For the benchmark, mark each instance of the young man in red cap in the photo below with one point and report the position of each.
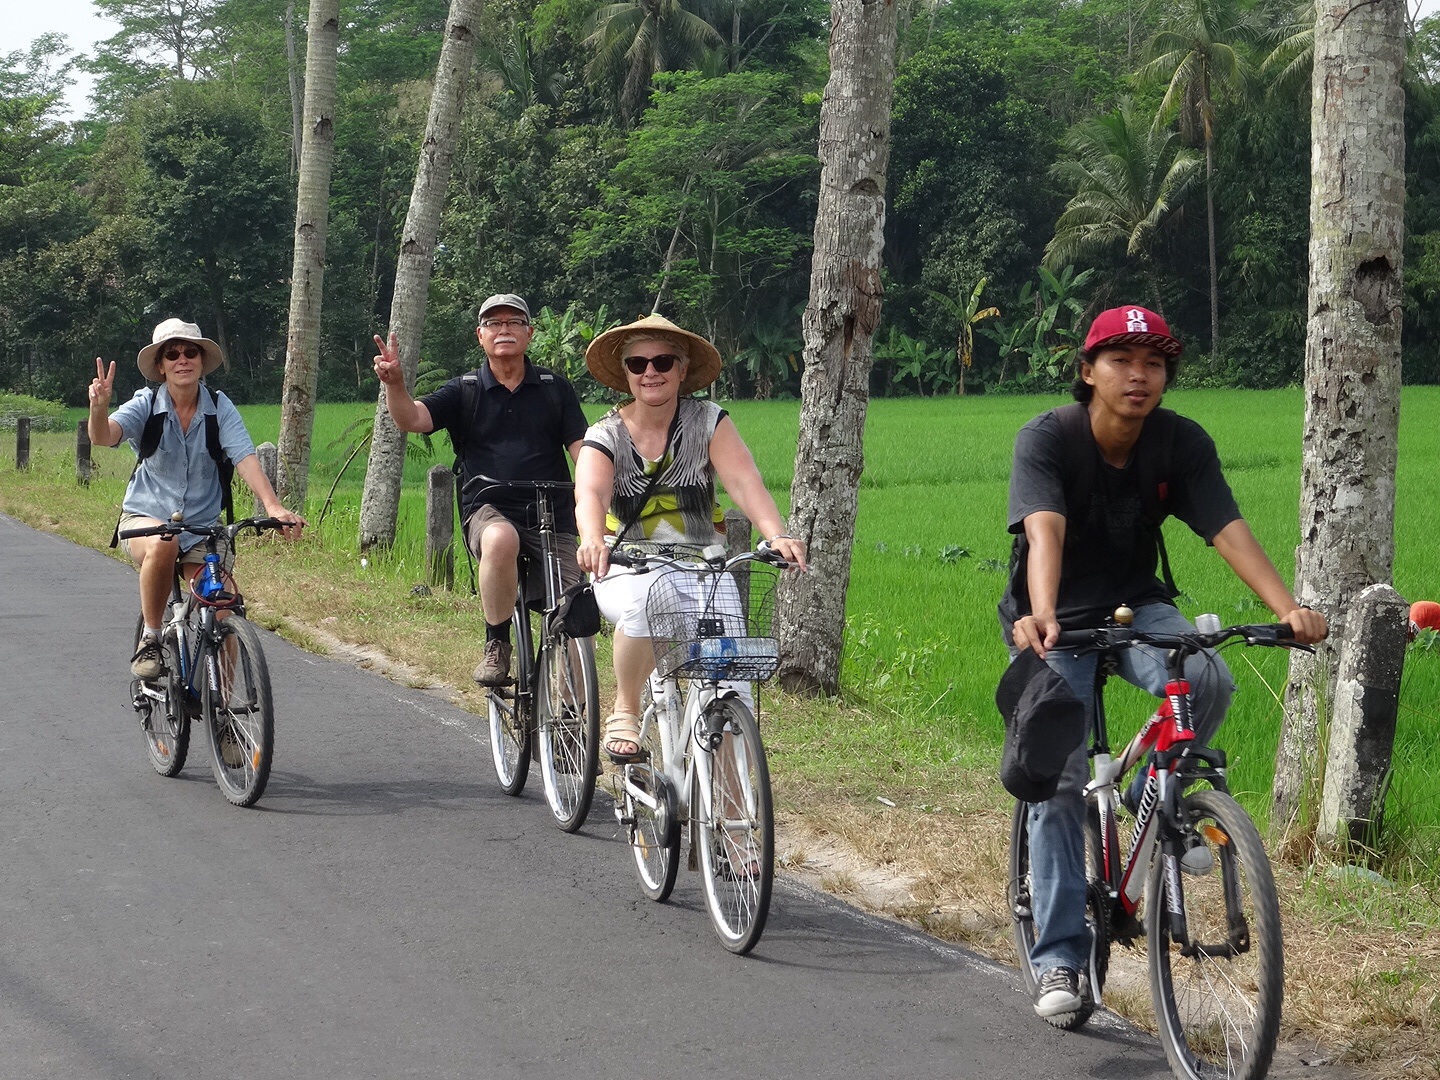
(1091, 483)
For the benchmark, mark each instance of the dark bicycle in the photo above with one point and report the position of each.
(553, 707)
(1210, 915)
(214, 672)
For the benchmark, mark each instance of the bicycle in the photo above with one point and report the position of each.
(552, 706)
(1214, 944)
(702, 762)
(214, 672)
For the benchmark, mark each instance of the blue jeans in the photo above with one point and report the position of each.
(1057, 826)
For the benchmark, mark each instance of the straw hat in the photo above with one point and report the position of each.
(177, 330)
(603, 357)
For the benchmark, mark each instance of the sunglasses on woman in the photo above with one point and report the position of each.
(636, 365)
(190, 352)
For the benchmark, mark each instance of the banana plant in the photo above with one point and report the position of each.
(967, 315)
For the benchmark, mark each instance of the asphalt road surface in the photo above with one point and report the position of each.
(385, 911)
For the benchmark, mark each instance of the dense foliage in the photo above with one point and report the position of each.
(1049, 157)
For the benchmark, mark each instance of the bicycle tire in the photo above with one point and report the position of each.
(1022, 912)
(567, 710)
(167, 736)
(735, 827)
(510, 746)
(1217, 1003)
(654, 833)
(239, 711)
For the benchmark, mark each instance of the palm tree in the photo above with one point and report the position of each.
(1198, 52)
(635, 39)
(1127, 176)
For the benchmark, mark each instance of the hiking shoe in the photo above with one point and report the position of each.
(148, 663)
(230, 751)
(1197, 859)
(1058, 993)
(494, 666)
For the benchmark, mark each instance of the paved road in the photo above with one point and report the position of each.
(386, 912)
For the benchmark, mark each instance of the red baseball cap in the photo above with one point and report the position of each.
(1132, 326)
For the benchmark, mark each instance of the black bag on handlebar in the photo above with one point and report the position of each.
(577, 611)
(1044, 723)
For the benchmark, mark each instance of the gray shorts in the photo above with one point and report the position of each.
(566, 545)
(194, 557)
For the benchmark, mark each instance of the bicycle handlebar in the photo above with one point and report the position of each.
(488, 483)
(175, 528)
(1109, 638)
(641, 561)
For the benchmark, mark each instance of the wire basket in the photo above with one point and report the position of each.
(714, 624)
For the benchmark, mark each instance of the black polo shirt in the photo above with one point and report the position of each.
(512, 435)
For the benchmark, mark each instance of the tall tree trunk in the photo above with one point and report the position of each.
(307, 272)
(292, 71)
(1214, 275)
(840, 321)
(1352, 352)
(380, 504)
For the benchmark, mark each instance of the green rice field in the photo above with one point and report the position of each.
(923, 645)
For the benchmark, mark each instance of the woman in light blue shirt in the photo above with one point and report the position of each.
(180, 476)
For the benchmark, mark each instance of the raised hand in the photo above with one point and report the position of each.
(387, 363)
(102, 386)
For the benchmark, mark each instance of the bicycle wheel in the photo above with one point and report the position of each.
(238, 711)
(735, 826)
(568, 722)
(166, 721)
(1022, 913)
(1218, 993)
(509, 708)
(654, 831)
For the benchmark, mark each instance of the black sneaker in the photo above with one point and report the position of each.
(148, 663)
(1057, 996)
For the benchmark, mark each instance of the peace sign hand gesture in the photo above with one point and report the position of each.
(387, 364)
(102, 386)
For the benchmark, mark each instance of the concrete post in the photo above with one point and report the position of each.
(1371, 655)
(270, 465)
(82, 453)
(440, 525)
(22, 443)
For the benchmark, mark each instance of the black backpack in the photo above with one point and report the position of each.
(1154, 467)
(150, 442)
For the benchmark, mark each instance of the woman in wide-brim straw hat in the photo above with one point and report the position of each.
(179, 475)
(646, 472)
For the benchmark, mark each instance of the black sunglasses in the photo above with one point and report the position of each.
(636, 365)
(190, 352)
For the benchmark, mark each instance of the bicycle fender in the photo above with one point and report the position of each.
(708, 695)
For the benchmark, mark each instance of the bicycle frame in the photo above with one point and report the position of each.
(526, 689)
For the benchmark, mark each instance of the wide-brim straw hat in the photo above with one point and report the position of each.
(177, 330)
(604, 356)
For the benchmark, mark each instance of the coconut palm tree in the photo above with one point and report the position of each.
(1199, 53)
(1128, 176)
(634, 39)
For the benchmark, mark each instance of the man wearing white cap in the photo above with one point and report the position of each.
(179, 475)
(517, 423)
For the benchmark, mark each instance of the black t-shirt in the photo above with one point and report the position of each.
(1110, 556)
(519, 435)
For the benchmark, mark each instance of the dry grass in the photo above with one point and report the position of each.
(1363, 955)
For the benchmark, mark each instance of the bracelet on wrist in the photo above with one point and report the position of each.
(781, 536)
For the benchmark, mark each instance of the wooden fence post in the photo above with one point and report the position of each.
(270, 466)
(1371, 655)
(22, 443)
(82, 452)
(440, 525)
(737, 542)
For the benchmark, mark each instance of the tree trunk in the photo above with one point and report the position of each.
(307, 272)
(1352, 353)
(292, 71)
(840, 320)
(380, 504)
(1214, 275)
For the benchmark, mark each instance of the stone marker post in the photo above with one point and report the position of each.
(440, 525)
(82, 452)
(270, 465)
(22, 443)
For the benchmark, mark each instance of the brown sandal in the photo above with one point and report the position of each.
(623, 729)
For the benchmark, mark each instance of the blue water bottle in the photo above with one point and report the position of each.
(209, 583)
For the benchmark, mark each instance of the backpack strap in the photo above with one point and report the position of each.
(223, 464)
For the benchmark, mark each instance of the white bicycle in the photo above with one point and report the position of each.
(702, 766)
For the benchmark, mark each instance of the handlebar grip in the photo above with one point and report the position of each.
(620, 558)
(1075, 639)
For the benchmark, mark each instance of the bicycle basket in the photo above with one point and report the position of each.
(711, 624)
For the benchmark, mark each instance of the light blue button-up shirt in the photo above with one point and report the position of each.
(180, 475)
